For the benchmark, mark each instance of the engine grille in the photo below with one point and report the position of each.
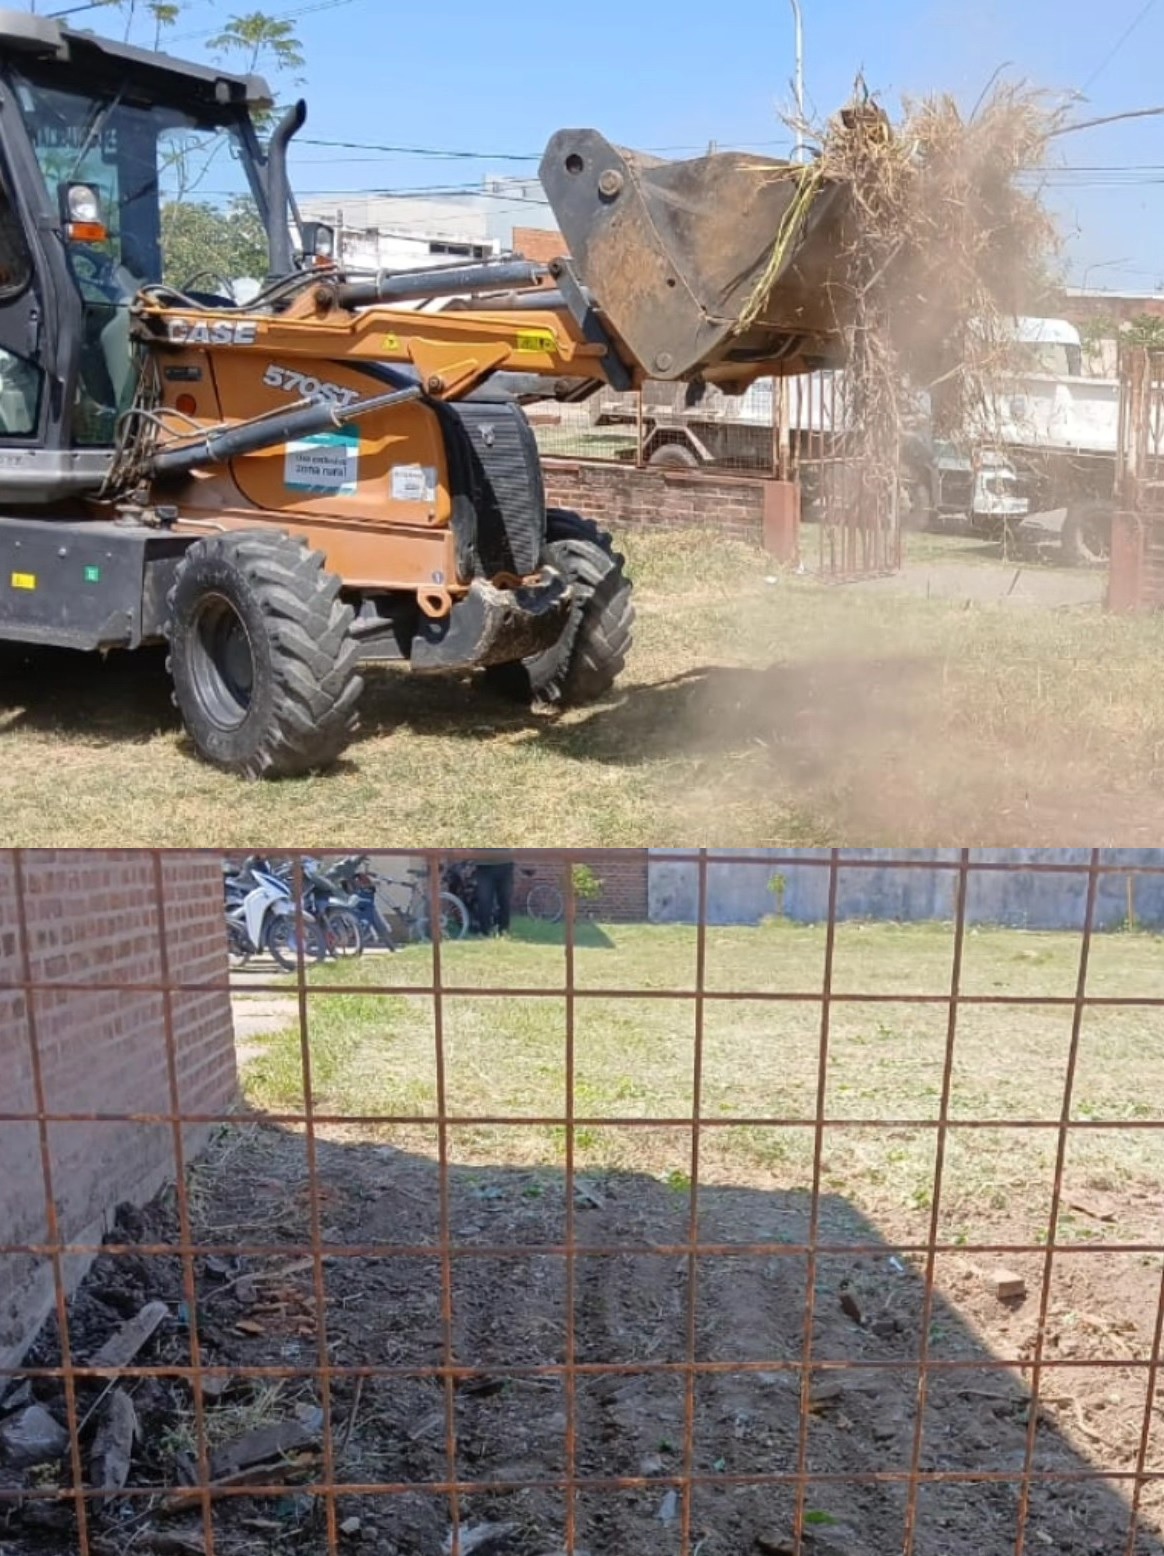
(505, 478)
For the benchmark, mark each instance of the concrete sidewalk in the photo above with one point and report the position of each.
(257, 1016)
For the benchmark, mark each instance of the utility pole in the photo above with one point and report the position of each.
(799, 21)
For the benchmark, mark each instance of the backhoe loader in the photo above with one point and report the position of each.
(330, 475)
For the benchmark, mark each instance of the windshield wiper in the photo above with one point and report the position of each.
(100, 120)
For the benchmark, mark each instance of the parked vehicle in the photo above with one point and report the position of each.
(363, 885)
(416, 910)
(693, 428)
(1061, 429)
(262, 915)
(334, 908)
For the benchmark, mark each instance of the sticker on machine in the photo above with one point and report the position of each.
(413, 483)
(327, 465)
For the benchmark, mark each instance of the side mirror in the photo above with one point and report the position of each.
(318, 244)
(81, 214)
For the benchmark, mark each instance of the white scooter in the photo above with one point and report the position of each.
(261, 916)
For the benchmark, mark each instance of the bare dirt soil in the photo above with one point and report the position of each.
(630, 1309)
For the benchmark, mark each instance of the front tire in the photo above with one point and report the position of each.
(263, 665)
(590, 654)
(1086, 537)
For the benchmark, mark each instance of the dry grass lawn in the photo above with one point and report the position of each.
(375, 1054)
(755, 711)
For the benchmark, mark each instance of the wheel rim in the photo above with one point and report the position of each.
(283, 942)
(545, 904)
(1092, 541)
(222, 663)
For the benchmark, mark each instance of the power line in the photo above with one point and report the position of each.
(279, 16)
(497, 156)
(1117, 46)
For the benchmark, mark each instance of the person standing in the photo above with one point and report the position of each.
(495, 872)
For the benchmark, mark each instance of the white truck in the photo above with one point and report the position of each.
(1059, 428)
(688, 428)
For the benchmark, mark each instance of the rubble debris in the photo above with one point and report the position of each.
(246, 1290)
(479, 1538)
(1097, 1206)
(1007, 1285)
(824, 1396)
(32, 1437)
(215, 1386)
(482, 1388)
(271, 1450)
(123, 1345)
(14, 1396)
(174, 1542)
(850, 1308)
(113, 1444)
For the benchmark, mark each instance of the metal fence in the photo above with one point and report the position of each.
(567, 1343)
(1138, 538)
(773, 428)
(796, 429)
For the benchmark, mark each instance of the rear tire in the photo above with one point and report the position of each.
(238, 947)
(673, 456)
(454, 920)
(282, 941)
(1086, 537)
(589, 656)
(544, 904)
(264, 669)
(344, 932)
(916, 513)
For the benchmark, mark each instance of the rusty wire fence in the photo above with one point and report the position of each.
(797, 430)
(1137, 569)
(816, 1234)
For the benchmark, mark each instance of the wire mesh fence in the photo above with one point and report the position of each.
(798, 429)
(816, 1233)
(694, 427)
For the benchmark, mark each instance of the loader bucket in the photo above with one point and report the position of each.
(674, 253)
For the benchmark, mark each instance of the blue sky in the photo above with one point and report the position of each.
(495, 79)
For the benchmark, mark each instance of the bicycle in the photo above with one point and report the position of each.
(416, 912)
(544, 903)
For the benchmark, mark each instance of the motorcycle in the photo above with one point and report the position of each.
(261, 915)
(354, 877)
(334, 909)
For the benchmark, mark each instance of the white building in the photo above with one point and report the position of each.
(405, 232)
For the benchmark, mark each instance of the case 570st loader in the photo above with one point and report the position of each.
(322, 477)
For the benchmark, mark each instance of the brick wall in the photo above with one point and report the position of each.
(92, 916)
(623, 898)
(616, 494)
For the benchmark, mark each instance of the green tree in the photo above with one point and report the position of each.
(262, 40)
(202, 243)
(1145, 329)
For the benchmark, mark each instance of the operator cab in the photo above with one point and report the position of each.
(118, 169)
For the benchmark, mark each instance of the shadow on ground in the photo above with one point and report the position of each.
(386, 1289)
